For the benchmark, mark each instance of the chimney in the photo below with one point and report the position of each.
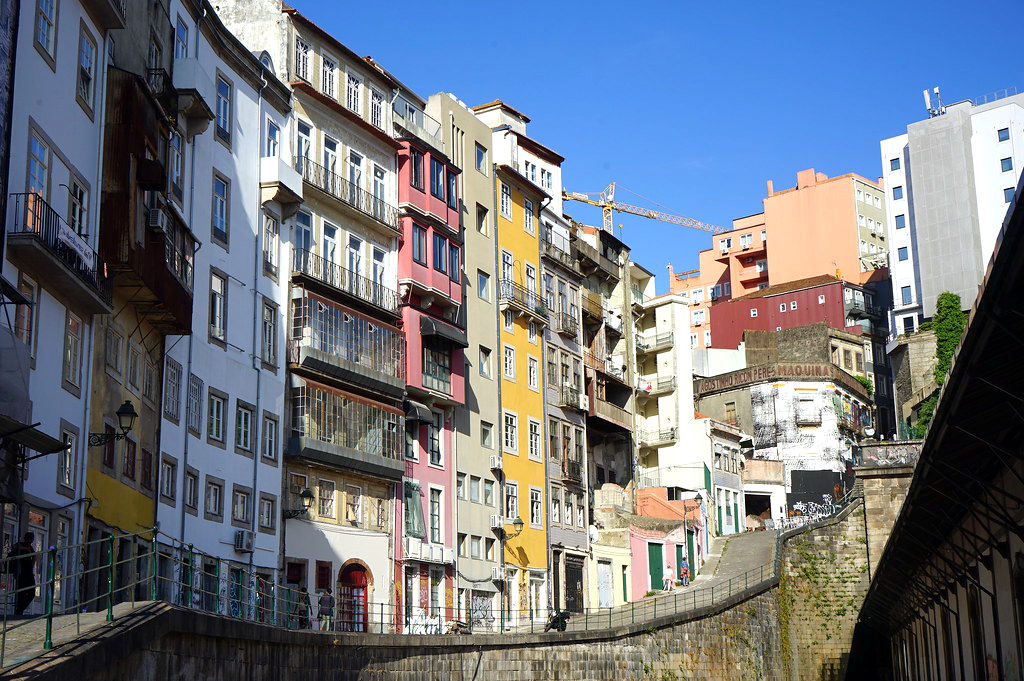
(806, 178)
(771, 188)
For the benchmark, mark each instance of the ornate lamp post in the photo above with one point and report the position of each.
(517, 526)
(126, 416)
(306, 496)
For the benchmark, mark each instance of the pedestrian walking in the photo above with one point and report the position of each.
(669, 579)
(305, 609)
(684, 572)
(326, 605)
(23, 567)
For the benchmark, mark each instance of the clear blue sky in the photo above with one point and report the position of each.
(693, 104)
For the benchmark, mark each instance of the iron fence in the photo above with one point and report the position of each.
(329, 182)
(333, 274)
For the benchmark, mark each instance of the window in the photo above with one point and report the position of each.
(219, 215)
(168, 479)
(460, 485)
(243, 428)
(511, 441)
(481, 219)
(86, 69)
(38, 166)
(902, 251)
(218, 307)
(528, 217)
(46, 26)
(792, 305)
(412, 435)
(906, 296)
(897, 192)
(181, 39)
(271, 244)
(194, 406)
(894, 164)
(268, 345)
(901, 221)
(707, 339)
(782, 307)
(481, 159)
(908, 325)
(146, 474)
(172, 390)
(416, 168)
(419, 244)
(1008, 195)
(509, 320)
(215, 417)
(437, 178)
(485, 362)
(66, 459)
(725, 244)
(113, 350)
(191, 489)
(536, 508)
(746, 240)
(435, 430)
(474, 547)
(440, 253)
(474, 489)
(223, 110)
(533, 373)
(268, 513)
(556, 512)
(506, 201)
(176, 165)
(376, 108)
(214, 499)
(698, 316)
(23, 316)
(534, 440)
(454, 264)
(730, 412)
(273, 140)
(128, 462)
(73, 350)
(352, 93)
(327, 78)
(1006, 164)
(301, 59)
(694, 340)
(753, 312)
(511, 501)
(488, 492)
(486, 435)
(325, 498)
(134, 369)
(240, 506)
(435, 516)
(509, 364)
(453, 190)
(483, 285)
(269, 446)
(531, 332)
(1003, 134)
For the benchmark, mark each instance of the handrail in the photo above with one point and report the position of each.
(510, 291)
(343, 279)
(331, 183)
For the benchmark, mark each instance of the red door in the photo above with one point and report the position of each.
(352, 598)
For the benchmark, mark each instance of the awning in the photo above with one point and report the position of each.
(29, 435)
(435, 327)
(416, 411)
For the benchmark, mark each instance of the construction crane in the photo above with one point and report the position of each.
(608, 205)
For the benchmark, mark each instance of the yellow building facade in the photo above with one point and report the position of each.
(519, 361)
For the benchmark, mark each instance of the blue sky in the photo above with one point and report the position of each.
(693, 104)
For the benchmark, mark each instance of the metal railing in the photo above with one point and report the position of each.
(572, 470)
(592, 305)
(557, 252)
(331, 183)
(87, 580)
(569, 396)
(333, 274)
(30, 214)
(650, 438)
(517, 294)
(417, 122)
(566, 324)
(655, 341)
(658, 384)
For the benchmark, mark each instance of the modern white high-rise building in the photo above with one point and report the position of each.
(950, 179)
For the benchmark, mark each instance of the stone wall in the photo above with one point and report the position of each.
(885, 488)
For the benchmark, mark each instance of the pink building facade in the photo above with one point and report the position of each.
(430, 278)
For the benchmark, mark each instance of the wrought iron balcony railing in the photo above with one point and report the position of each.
(566, 324)
(521, 297)
(335, 185)
(332, 274)
(572, 470)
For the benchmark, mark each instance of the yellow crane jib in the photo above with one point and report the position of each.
(606, 202)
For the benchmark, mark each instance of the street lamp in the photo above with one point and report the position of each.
(517, 525)
(306, 496)
(126, 416)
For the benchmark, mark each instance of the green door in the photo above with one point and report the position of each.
(679, 559)
(655, 565)
(689, 551)
(736, 515)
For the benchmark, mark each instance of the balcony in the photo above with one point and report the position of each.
(611, 412)
(420, 124)
(162, 88)
(557, 252)
(194, 90)
(592, 306)
(41, 242)
(357, 288)
(638, 298)
(613, 320)
(572, 470)
(331, 428)
(349, 194)
(281, 183)
(659, 385)
(858, 309)
(566, 324)
(572, 398)
(328, 340)
(654, 342)
(656, 438)
(108, 14)
(519, 298)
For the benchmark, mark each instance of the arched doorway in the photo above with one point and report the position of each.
(352, 597)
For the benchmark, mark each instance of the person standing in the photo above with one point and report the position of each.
(305, 609)
(23, 566)
(684, 572)
(326, 605)
(669, 579)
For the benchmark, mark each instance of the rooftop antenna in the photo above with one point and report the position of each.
(936, 110)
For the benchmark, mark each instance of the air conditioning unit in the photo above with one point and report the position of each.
(584, 403)
(495, 462)
(448, 555)
(156, 219)
(412, 548)
(436, 553)
(497, 522)
(244, 540)
(498, 574)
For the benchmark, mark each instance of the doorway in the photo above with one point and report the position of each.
(655, 565)
(573, 584)
(604, 584)
(352, 605)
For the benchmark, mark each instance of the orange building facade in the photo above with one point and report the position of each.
(827, 226)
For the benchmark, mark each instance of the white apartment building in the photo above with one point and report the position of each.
(51, 258)
(224, 385)
(950, 181)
